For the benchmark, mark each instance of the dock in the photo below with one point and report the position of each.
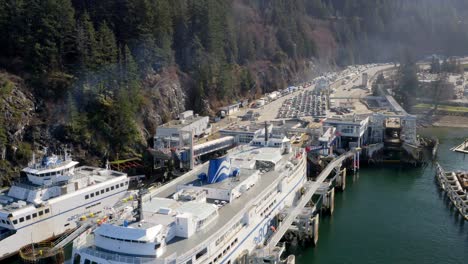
(303, 217)
(462, 148)
(455, 185)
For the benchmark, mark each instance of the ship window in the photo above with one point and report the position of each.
(47, 210)
(102, 191)
(188, 262)
(121, 185)
(201, 253)
(15, 222)
(107, 189)
(21, 219)
(28, 217)
(41, 213)
(92, 195)
(97, 193)
(229, 262)
(87, 261)
(34, 215)
(112, 188)
(77, 259)
(126, 183)
(86, 197)
(117, 186)
(3, 221)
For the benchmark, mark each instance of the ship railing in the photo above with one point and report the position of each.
(60, 163)
(127, 259)
(26, 184)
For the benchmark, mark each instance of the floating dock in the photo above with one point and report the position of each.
(455, 184)
(462, 148)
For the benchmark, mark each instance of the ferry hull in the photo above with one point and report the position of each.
(51, 227)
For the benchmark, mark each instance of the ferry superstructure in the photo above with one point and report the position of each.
(213, 214)
(51, 199)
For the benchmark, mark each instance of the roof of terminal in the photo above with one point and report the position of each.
(182, 123)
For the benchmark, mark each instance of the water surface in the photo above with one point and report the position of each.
(395, 215)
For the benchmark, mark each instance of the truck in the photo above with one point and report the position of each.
(222, 114)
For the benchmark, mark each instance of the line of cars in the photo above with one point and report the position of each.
(307, 103)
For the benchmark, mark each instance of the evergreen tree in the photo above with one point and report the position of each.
(86, 43)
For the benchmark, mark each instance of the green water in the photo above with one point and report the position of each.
(395, 215)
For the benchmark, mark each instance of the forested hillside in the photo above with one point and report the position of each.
(103, 74)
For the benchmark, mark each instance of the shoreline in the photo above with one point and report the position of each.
(442, 121)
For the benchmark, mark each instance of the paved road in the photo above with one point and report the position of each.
(269, 111)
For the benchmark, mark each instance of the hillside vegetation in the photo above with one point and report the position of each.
(103, 74)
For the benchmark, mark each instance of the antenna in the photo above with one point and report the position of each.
(33, 162)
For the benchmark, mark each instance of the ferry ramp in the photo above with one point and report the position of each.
(69, 238)
(311, 188)
(213, 145)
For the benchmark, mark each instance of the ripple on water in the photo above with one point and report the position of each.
(395, 215)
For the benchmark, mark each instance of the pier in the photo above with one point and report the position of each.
(303, 217)
(462, 148)
(455, 185)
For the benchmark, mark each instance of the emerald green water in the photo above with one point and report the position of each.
(395, 215)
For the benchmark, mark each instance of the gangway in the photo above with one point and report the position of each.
(69, 238)
(213, 145)
(311, 189)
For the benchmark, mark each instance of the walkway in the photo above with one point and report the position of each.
(312, 187)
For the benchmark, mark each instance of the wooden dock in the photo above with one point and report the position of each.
(462, 148)
(455, 184)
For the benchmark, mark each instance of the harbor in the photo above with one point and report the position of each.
(252, 191)
(392, 214)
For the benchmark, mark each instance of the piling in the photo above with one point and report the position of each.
(341, 180)
(456, 187)
(329, 201)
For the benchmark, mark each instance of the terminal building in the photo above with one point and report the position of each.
(172, 133)
(351, 130)
(245, 134)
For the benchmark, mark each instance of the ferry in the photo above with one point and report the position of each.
(219, 212)
(51, 197)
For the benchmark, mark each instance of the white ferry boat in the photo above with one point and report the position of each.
(216, 213)
(51, 198)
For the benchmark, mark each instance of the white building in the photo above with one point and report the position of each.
(231, 109)
(352, 130)
(245, 134)
(172, 133)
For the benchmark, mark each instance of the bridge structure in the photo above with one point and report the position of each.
(213, 145)
(311, 188)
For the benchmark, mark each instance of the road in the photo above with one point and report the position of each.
(347, 90)
(269, 111)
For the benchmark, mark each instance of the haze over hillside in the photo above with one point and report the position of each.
(101, 75)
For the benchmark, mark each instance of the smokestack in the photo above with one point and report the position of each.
(266, 132)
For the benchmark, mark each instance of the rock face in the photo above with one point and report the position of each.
(164, 100)
(16, 106)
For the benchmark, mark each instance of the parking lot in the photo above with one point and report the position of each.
(306, 103)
